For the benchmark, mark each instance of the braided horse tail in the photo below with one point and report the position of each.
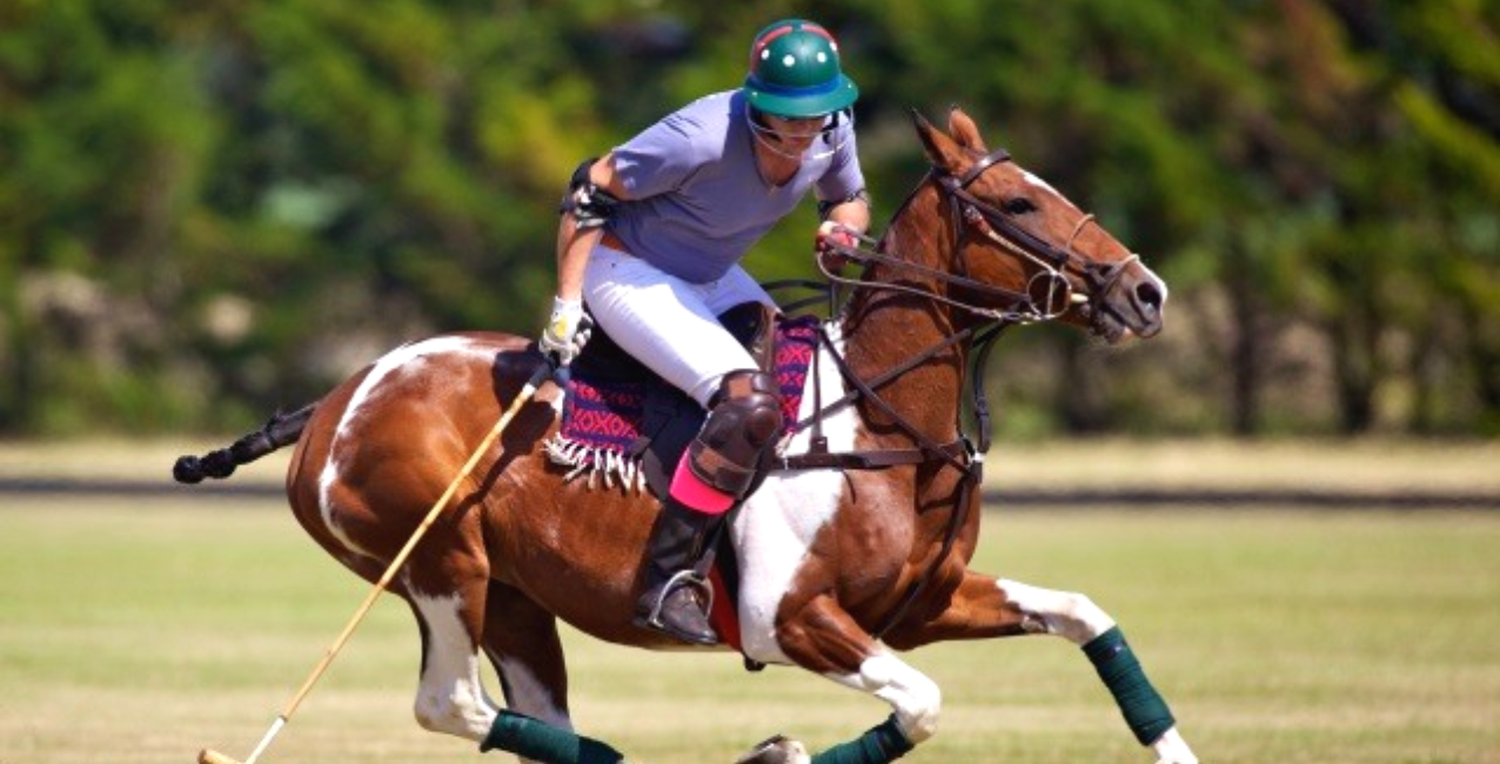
(281, 430)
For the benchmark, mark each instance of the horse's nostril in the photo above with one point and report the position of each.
(1148, 295)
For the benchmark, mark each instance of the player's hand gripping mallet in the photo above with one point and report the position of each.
(210, 756)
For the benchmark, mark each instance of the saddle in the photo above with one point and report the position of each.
(623, 423)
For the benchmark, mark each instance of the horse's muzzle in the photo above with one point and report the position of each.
(1133, 305)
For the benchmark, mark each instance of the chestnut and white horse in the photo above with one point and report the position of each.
(846, 554)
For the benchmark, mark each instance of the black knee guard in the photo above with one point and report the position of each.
(744, 421)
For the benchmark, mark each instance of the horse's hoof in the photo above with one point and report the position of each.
(776, 750)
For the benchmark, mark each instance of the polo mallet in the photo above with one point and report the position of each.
(210, 756)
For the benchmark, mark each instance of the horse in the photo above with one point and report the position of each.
(854, 547)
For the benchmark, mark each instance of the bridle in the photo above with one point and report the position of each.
(969, 213)
(1048, 293)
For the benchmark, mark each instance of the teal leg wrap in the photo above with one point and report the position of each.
(531, 739)
(880, 744)
(1144, 710)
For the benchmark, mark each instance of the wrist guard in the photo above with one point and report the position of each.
(826, 206)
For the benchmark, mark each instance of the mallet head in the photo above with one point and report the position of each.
(209, 756)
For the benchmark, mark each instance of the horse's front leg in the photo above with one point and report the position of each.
(985, 607)
(819, 636)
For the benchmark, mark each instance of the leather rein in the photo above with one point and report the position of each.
(1048, 294)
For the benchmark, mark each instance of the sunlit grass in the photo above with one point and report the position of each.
(141, 631)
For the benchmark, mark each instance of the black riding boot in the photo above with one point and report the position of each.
(677, 596)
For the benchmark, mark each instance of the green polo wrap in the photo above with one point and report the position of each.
(531, 739)
(1143, 707)
(880, 744)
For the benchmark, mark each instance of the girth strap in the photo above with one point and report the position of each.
(871, 460)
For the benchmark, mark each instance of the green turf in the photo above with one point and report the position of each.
(140, 631)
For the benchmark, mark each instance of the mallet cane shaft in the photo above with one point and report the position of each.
(209, 756)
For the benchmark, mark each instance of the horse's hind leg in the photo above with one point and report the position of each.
(985, 607)
(446, 582)
(521, 641)
(450, 695)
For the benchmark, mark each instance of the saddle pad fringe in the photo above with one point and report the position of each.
(600, 464)
(602, 417)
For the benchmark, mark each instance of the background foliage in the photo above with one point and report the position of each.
(209, 210)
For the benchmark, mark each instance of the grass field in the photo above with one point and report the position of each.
(142, 630)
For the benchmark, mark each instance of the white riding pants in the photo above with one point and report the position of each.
(667, 323)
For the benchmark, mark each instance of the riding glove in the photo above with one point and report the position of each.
(567, 331)
(831, 238)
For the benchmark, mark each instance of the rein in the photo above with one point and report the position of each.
(968, 214)
(1048, 294)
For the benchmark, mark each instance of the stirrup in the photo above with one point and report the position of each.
(688, 577)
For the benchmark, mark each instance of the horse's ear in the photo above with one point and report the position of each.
(963, 130)
(941, 150)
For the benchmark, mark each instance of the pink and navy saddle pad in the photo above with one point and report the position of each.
(623, 424)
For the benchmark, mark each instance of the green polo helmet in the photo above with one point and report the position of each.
(794, 72)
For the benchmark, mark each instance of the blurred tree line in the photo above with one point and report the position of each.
(210, 210)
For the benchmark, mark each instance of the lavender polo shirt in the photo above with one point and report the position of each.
(696, 200)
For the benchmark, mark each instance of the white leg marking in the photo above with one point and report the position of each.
(450, 697)
(1170, 748)
(775, 529)
(407, 359)
(1072, 616)
(528, 695)
(915, 698)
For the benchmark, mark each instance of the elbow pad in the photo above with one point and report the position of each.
(590, 205)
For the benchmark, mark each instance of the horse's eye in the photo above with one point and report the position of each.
(1019, 206)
